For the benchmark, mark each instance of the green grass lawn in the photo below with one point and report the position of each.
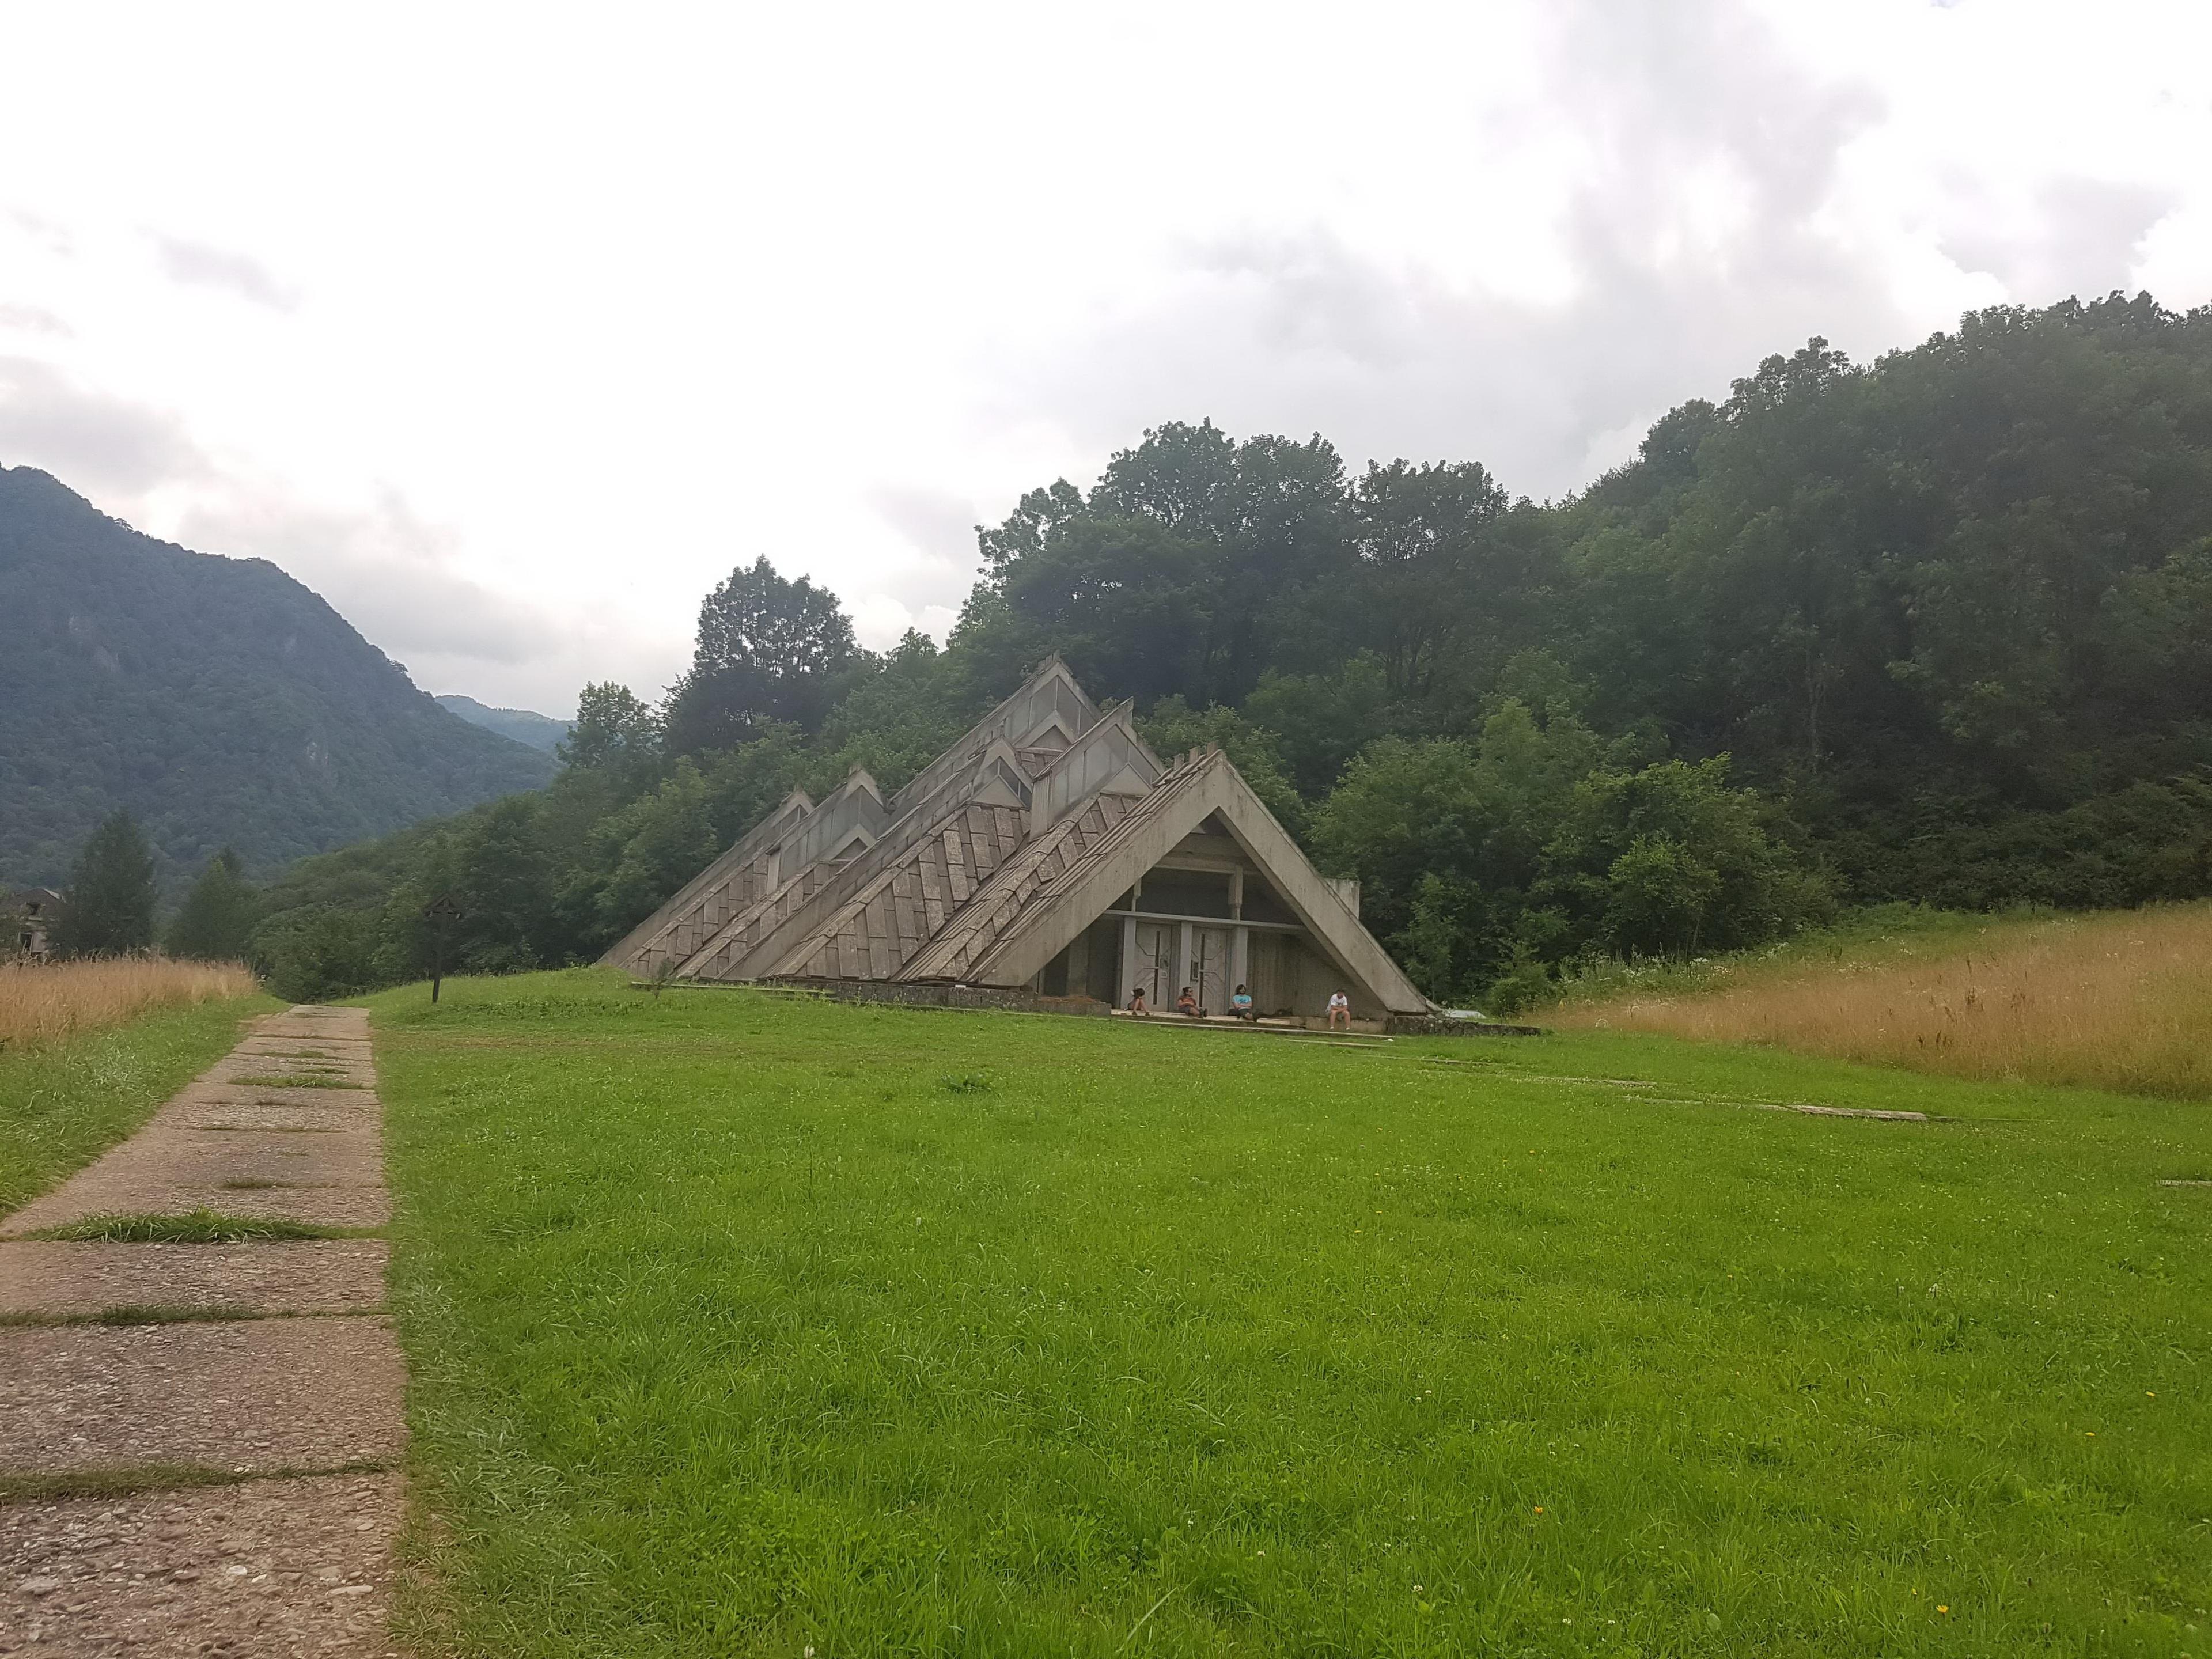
(63, 1105)
(744, 1325)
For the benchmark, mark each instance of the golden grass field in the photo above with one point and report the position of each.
(2117, 1000)
(47, 1003)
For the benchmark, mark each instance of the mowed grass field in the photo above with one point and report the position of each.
(749, 1325)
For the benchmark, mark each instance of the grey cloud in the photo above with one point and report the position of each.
(198, 263)
(384, 570)
(91, 440)
(1299, 333)
(942, 529)
(2079, 238)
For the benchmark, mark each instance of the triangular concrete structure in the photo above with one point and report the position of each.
(1050, 850)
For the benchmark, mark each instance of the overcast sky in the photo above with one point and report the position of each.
(512, 330)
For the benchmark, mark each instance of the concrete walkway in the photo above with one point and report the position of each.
(199, 1443)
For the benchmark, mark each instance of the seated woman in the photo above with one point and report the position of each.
(1240, 1005)
(1187, 1006)
(1136, 1003)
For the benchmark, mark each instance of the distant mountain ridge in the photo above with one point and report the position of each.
(538, 731)
(218, 699)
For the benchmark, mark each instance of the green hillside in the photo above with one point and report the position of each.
(523, 725)
(218, 699)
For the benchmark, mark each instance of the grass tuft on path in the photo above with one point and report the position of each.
(64, 1103)
(734, 1331)
(193, 1227)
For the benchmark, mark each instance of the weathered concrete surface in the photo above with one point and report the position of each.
(264, 1568)
(238, 1395)
(279, 1276)
(297, 1565)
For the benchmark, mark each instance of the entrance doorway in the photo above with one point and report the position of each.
(1154, 967)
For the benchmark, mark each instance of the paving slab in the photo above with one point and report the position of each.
(335, 1108)
(298, 1567)
(316, 1023)
(284, 1276)
(168, 1168)
(173, 1156)
(229, 1117)
(246, 1396)
(364, 1207)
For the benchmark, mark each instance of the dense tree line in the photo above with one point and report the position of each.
(1936, 627)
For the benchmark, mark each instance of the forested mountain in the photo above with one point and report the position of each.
(216, 699)
(533, 730)
(1935, 628)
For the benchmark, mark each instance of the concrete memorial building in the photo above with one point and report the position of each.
(1049, 851)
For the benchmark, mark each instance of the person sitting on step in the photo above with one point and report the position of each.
(1240, 1005)
(1187, 1006)
(1136, 1003)
(1340, 1008)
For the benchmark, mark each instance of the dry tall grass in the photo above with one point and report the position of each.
(44, 1004)
(2120, 1001)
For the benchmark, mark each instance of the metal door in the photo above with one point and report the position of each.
(1154, 968)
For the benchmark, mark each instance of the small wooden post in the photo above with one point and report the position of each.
(440, 912)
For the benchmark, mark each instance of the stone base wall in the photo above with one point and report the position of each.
(902, 995)
(1435, 1025)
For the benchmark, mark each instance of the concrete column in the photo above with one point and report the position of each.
(1126, 974)
(1235, 894)
(1182, 961)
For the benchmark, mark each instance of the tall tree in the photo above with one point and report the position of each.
(1196, 564)
(617, 736)
(1421, 534)
(109, 907)
(768, 650)
(217, 918)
